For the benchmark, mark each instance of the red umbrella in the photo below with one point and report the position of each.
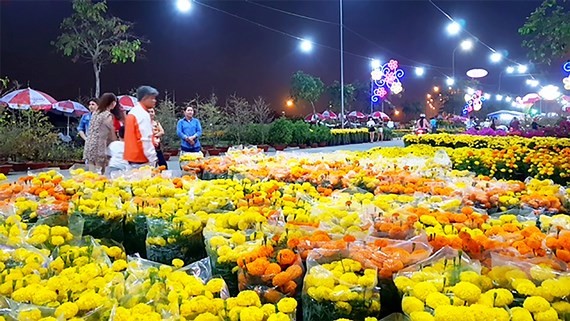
(69, 107)
(380, 115)
(329, 114)
(356, 114)
(28, 98)
(127, 102)
(313, 118)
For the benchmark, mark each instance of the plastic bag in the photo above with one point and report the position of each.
(179, 238)
(336, 286)
(273, 281)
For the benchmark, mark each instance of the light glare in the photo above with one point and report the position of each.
(521, 69)
(375, 64)
(453, 28)
(499, 97)
(420, 71)
(450, 81)
(466, 45)
(549, 92)
(510, 69)
(183, 5)
(306, 45)
(496, 57)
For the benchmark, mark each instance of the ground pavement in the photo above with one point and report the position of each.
(173, 163)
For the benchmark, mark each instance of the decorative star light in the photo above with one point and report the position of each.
(387, 80)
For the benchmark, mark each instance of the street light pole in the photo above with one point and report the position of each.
(453, 62)
(341, 69)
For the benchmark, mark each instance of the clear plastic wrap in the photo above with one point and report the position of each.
(180, 237)
(336, 286)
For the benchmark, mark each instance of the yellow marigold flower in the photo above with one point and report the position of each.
(215, 285)
(423, 289)
(520, 314)
(404, 284)
(541, 273)
(279, 317)
(207, 317)
(67, 310)
(470, 276)
(421, 316)
(343, 307)
(252, 313)
(453, 313)
(548, 315)
(248, 298)
(120, 265)
(467, 291)
(30, 315)
(287, 305)
(561, 307)
(556, 288)
(411, 304)
(536, 304)
(524, 287)
(57, 240)
(177, 263)
(436, 299)
(501, 297)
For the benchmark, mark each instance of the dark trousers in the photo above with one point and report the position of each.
(161, 160)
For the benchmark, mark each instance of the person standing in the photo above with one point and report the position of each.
(158, 132)
(189, 131)
(433, 124)
(371, 124)
(139, 146)
(86, 118)
(101, 133)
(116, 152)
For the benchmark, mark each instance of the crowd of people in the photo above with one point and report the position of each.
(118, 141)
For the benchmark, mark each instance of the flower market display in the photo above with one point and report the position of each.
(432, 232)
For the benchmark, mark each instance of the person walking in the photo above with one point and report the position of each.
(371, 124)
(101, 133)
(86, 119)
(189, 131)
(139, 146)
(158, 132)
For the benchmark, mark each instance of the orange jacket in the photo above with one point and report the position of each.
(139, 146)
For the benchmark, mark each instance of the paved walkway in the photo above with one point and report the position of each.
(173, 163)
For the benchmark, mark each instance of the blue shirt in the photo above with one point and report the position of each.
(433, 122)
(84, 123)
(186, 128)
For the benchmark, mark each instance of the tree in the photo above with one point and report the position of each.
(412, 109)
(167, 115)
(306, 87)
(334, 93)
(211, 117)
(260, 111)
(238, 114)
(546, 31)
(93, 36)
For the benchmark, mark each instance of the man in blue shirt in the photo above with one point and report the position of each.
(189, 130)
(86, 119)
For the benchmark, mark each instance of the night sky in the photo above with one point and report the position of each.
(207, 51)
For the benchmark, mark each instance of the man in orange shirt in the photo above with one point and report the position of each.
(139, 146)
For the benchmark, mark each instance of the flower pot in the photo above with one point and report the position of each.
(293, 145)
(302, 146)
(5, 169)
(223, 149)
(280, 147)
(173, 152)
(314, 145)
(65, 166)
(35, 166)
(213, 151)
(322, 144)
(19, 167)
(264, 147)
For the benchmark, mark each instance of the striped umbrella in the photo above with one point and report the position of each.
(28, 98)
(329, 114)
(356, 114)
(380, 115)
(127, 102)
(313, 118)
(68, 107)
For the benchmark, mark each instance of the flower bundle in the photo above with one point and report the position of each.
(272, 274)
(336, 286)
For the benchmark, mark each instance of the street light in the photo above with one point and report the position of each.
(375, 64)
(532, 82)
(183, 5)
(450, 81)
(465, 45)
(306, 45)
(420, 71)
(435, 89)
(499, 97)
(496, 57)
(396, 112)
(550, 92)
(521, 69)
(510, 69)
(453, 28)
(289, 103)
